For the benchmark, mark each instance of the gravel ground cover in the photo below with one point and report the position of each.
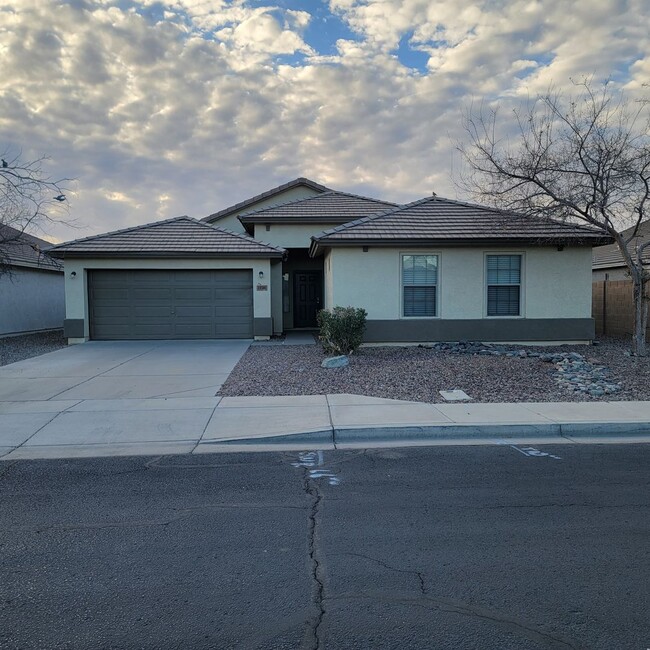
(17, 348)
(418, 373)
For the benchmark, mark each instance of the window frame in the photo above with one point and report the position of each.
(402, 254)
(522, 276)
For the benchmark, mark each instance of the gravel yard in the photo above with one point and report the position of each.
(417, 374)
(17, 348)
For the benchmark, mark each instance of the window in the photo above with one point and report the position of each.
(420, 284)
(503, 285)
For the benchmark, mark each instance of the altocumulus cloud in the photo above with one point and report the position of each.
(186, 106)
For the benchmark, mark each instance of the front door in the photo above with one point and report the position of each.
(308, 294)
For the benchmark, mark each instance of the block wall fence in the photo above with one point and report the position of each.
(613, 308)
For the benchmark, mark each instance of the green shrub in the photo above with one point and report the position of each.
(341, 329)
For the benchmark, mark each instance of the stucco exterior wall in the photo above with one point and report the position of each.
(555, 284)
(76, 288)
(31, 300)
(290, 235)
(231, 222)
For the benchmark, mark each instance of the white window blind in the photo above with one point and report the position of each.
(420, 285)
(503, 285)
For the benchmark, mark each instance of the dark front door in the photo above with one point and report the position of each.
(308, 294)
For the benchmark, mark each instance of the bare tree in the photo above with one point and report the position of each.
(579, 158)
(29, 200)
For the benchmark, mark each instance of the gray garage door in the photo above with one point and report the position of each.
(171, 304)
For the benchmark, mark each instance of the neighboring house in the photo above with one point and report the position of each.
(613, 301)
(432, 270)
(31, 285)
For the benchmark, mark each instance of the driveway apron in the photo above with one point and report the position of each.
(115, 392)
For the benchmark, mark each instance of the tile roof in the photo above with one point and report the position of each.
(328, 207)
(435, 220)
(606, 257)
(238, 207)
(178, 237)
(18, 248)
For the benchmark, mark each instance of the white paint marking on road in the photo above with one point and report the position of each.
(310, 459)
(531, 452)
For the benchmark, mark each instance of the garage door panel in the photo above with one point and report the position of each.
(151, 294)
(233, 311)
(171, 304)
(194, 330)
(194, 311)
(153, 330)
(110, 311)
(193, 294)
(108, 330)
(152, 311)
(110, 293)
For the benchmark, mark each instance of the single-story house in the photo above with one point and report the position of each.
(431, 270)
(31, 284)
(612, 299)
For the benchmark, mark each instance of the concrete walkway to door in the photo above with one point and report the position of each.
(114, 393)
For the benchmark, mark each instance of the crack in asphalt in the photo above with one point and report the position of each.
(314, 640)
(456, 607)
(418, 574)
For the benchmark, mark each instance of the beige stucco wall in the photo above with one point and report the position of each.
(76, 288)
(556, 284)
(290, 235)
(231, 222)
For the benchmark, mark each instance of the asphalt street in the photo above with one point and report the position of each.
(505, 547)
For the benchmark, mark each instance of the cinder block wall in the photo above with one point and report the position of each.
(613, 308)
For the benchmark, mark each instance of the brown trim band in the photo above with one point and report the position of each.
(262, 326)
(73, 328)
(487, 329)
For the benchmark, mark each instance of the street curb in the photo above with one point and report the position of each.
(595, 429)
(446, 432)
(313, 437)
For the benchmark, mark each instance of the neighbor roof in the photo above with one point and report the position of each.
(239, 207)
(437, 221)
(607, 257)
(177, 237)
(329, 207)
(18, 248)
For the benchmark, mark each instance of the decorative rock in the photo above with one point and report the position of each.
(572, 371)
(336, 362)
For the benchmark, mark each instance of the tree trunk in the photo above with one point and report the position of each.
(640, 314)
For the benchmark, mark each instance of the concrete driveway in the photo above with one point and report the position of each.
(113, 393)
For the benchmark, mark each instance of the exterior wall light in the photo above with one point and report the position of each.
(261, 274)
(73, 274)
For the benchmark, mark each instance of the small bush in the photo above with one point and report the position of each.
(341, 329)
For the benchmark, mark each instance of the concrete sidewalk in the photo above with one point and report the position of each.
(60, 428)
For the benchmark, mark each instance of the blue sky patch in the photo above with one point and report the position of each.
(409, 56)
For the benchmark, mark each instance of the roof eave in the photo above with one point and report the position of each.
(470, 241)
(60, 254)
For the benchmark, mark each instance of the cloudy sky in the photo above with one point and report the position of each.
(187, 106)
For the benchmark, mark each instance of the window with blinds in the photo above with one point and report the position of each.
(503, 285)
(419, 285)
